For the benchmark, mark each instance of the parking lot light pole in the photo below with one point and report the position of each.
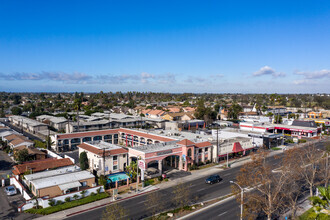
(242, 192)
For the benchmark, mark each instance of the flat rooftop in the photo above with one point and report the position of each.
(157, 147)
(51, 173)
(62, 179)
(103, 145)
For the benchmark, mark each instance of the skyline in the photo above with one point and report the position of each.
(185, 46)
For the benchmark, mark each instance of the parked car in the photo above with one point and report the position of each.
(10, 190)
(213, 179)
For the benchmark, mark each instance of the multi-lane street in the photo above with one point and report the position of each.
(199, 191)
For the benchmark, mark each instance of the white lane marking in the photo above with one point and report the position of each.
(142, 201)
(227, 174)
(222, 213)
(200, 190)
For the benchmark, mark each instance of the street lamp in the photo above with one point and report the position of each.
(242, 192)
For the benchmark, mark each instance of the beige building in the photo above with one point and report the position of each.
(104, 157)
(58, 182)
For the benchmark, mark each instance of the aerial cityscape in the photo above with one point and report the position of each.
(165, 110)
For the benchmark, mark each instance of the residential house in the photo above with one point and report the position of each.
(34, 153)
(41, 165)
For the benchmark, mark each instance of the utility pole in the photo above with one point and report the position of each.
(103, 161)
(217, 155)
(242, 194)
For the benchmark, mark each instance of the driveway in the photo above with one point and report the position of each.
(5, 164)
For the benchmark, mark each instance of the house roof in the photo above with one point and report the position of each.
(14, 136)
(18, 141)
(31, 151)
(156, 112)
(186, 142)
(98, 151)
(203, 144)
(40, 165)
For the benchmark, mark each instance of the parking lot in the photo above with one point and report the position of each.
(9, 204)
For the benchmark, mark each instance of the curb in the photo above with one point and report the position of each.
(119, 200)
(207, 207)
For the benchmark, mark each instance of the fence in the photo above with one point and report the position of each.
(20, 187)
(45, 202)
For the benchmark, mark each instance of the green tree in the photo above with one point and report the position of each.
(16, 110)
(22, 156)
(234, 110)
(83, 160)
(131, 169)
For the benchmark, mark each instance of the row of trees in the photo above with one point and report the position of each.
(277, 191)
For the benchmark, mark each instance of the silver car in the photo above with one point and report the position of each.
(10, 190)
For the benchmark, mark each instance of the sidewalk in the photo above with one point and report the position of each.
(98, 204)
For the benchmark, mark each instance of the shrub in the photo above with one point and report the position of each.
(93, 194)
(194, 167)
(75, 197)
(99, 190)
(160, 178)
(302, 141)
(83, 193)
(67, 199)
(52, 202)
(59, 202)
(67, 205)
(200, 163)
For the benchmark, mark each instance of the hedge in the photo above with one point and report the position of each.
(68, 205)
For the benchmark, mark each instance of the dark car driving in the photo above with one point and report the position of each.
(213, 179)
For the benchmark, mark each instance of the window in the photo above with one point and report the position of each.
(115, 157)
(84, 183)
(200, 151)
(115, 167)
(206, 149)
(124, 155)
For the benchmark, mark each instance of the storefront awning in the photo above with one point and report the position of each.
(237, 147)
(70, 185)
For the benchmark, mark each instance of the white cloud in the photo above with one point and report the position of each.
(315, 74)
(267, 70)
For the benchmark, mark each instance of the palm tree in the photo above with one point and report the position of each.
(321, 203)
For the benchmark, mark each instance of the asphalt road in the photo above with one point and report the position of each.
(228, 210)
(199, 191)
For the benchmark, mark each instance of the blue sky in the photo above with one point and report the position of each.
(165, 46)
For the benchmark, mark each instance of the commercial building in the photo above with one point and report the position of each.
(59, 182)
(27, 124)
(124, 136)
(58, 123)
(175, 154)
(103, 157)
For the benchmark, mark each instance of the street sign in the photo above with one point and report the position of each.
(141, 164)
(184, 157)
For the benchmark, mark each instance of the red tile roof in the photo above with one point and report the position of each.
(113, 131)
(41, 165)
(99, 152)
(203, 144)
(186, 142)
(145, 135)
(87, 134)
